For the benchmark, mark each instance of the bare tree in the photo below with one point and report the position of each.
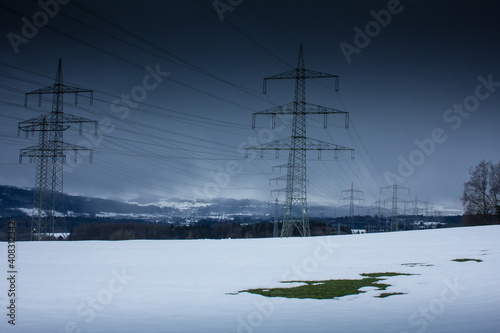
(494, 180)
(476, 197)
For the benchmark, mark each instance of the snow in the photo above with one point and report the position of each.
(29, 212)
(190, 285)
(180, 205)
(129, 215)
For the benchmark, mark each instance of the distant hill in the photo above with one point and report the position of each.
(16, 201)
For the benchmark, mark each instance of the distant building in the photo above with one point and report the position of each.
(427, 225)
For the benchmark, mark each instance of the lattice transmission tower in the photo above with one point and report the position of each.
(276, 218)
(394, 211)
(295, 206)
(50, 156)
(352, 199)
(378, 205)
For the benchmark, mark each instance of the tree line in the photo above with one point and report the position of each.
(204, 229)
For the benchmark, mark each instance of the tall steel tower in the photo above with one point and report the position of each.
(276, 218)
(416, 210)
(378, 205)
(296, 212)
(50, 156)
(394, 212)
(352, 198)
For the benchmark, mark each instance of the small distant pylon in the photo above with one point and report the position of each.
(378, 204)
(428, 210)
(50, 157)
(416, 210)
(352, 199)
(276, 218)
(296, 216)
(394, 211)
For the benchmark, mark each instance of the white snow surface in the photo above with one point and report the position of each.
(180, 205)
(29, 212)
(189, 285)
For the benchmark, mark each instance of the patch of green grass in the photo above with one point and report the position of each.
(328, 289)
(413, 264)
(386, 274)
(384, 295)
(467, 259)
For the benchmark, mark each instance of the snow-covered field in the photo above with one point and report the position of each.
(189, 285)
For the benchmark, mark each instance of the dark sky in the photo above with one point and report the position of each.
(406, 81)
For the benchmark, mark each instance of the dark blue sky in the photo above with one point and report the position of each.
(181, 140)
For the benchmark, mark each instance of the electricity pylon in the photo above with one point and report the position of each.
(50, 156)
(276, 218)
(296, 212)
(352, 199)
(378, 205)
(394, 212)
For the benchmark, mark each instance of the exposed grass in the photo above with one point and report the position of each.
(413, 264)
(384, 295)
(386, 274)
(467, 259)
(329, 289)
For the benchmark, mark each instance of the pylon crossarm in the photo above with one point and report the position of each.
(75, 149)
(310, 74)
(290, 74)
(34, 151)
(299, 73)
(43, 119)
(278, 110)
(58, 89)
(351, 191)
(69, 146)
(281, 166)
(318, 109)
(282, 109)
(280, 144)
(312, 144)
(45, 122)
(290, 109)
(293, 74)
(38, 151)
(39, 128)
(278, 191)
(71, 119)
(398, 200)
(319, 146)
(277, 179)
(396, 187)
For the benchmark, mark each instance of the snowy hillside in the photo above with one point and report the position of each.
(192, 285)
